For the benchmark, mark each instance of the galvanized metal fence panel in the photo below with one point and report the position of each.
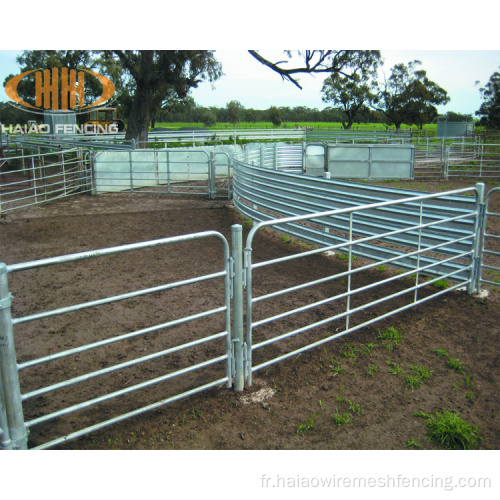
(264, 195)
(473, 160)
(27, 180)
(359, 161)
(186, 171)
(13, 427)
(114, 142)
(431, 152)
(345, 310)
(279, 156)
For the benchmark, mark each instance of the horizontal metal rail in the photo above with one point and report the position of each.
(264, 195)
(224, 335)
(422, 257)
(184, 171)
(135, 413)
(27, 180)
(70, 141)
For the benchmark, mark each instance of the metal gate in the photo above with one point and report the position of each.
(490, 268)
(183, 171)
(333, 303)
(27, 180)
(13, 427)
(472, 160)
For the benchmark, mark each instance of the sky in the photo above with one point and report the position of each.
(457, 46)
(256, 86)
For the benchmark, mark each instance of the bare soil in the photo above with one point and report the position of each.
(295, 404)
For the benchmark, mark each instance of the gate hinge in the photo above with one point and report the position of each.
(232, 273)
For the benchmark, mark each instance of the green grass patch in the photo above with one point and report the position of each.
(391, 338)
(420, 375)
(451, 431)
(455, 365)
(307, 425)
(341, 419)
(441, 284)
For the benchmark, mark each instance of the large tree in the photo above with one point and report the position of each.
(352, 95)
(408, 95)
(490, 108)
(156, 74)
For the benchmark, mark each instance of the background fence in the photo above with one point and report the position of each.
(473, 160)
(37, 178)
(182, 171)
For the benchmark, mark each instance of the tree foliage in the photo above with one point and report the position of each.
(145, 80)
(274, 116)
(409, 96)
(157, 74)
(349, 94)
(234, 111)
(490, 108)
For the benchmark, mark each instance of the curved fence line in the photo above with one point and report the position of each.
(429, 241)
(445, 222)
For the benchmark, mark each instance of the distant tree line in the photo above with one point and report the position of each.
(234, 112)
(189, 112)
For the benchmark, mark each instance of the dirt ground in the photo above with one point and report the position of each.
(351, 393)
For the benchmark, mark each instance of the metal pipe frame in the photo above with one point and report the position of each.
(141, 178)
(11, 414)
(70, 180)
(420, 266)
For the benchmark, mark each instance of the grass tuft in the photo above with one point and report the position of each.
(452, 432)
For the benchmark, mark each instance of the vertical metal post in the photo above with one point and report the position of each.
(131, 171)
(238, 339)
(447, 162)
(34, 177)
(475, 282)
(16, 431)
(349, 277)
(168, 171)
(5, 441)
(61, 155)
(420, 221)
(156, 167)
(211, 177)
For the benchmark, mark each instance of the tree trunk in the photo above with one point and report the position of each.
(139, 119)
(140, 113)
